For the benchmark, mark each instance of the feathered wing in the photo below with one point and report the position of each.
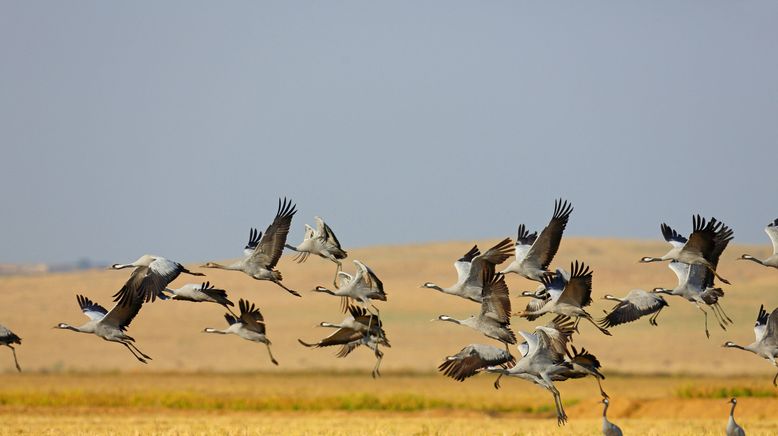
(720, 242)
(91, 309)
(271, 246)
(149, 281)
(547, 244)
(578, 290)
(219, 295)
(371, 280)
(488, 260)
(671, 236)
(771, 335)
(251, 317)
(702, 239)
(772, 233)
(254, 237)
(760, 326)
(473, 358)
(681, 271)
(325, 230)
(464, 264)
(524, 241)
(495, 301)
(122, 314)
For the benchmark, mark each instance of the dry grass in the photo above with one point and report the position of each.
(301, 403)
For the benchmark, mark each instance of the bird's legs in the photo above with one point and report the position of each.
(135, 347)
(272, 359)
(126, 344)
(707, 333)
(653, 318)
(546, 382)
(599, 383)
(497, 382)
(719, 317)
(13, 350)
(713, 270)
(379, 355)
(295, 293)
(337, 271)
(724, 314)
(591, 320)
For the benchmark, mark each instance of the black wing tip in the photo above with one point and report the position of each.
(562, 209)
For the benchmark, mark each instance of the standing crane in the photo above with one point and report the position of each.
(733, 429)
(608, 428)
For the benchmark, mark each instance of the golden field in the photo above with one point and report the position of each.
(662, 379)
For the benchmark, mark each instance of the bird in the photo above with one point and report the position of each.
(8, 338)
(637, 304)
(568, 296)
(543, 358)
(363, 287)
(320, 241)
(494, 320)
(111, 326)
(473, 358)
(469, 283)
(205, 292)
(766, 343)
(262, 253)
(698, 248)
(608, 428)
(695, 285)
(540, 297)
(534, 253)
(772, 260)
(150, 277)
(359, 328)
(733, 429)
(250, 325)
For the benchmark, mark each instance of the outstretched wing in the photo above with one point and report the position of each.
(472, 358)
(254, 237)
(251, 317)
(771, 335)
(271, 246)
(524, 241)
(547, 244)
(493, 256)
(122, 314)
(671, 236)
(772, 233)
(149, 281)
(91, 309)
(464, 264)
(495, 301)
(325, 230)
(578, 290)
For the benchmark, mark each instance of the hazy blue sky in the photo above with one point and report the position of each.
(172, 127)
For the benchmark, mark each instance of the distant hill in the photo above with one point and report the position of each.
(171, 331)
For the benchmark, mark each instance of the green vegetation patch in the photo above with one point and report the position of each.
(690, 391)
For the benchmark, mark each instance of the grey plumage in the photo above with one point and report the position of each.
(249, 325)
(637, 304)
(766, 334)
(9, 338)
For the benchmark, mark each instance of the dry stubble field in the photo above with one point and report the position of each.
(663, 380)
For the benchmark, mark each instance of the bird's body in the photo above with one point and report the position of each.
(568, 297)
(495, 317)
(583, 364)
(200, 293)
(636, 304)
(150, 277)
(363, 287)
(249, 325)
(766, 334)
(608, 428)
(359, 328)
(9, 338)
(699, 248)
(733, 429)
(110, 326)
(534, 253)
(262, 253)
(469, 268)
(320, 241)
(772, 260)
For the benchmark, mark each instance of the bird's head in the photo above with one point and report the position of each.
(745, 257)
(430, 285)
(646, 259)
(444, 318)
(661, 291)
(729, 344)
(209, 265)
(605, 401)
(733, 400)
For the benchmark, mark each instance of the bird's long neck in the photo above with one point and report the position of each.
(752, 259)
(740, 347)
(217, 331)
(450, 319)
(605, 411)
(329, 324)
(232, 267)
(74, 328)
(324, 290)
(122, 266)
(435, 287)
(611, 297)
(732, 411)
